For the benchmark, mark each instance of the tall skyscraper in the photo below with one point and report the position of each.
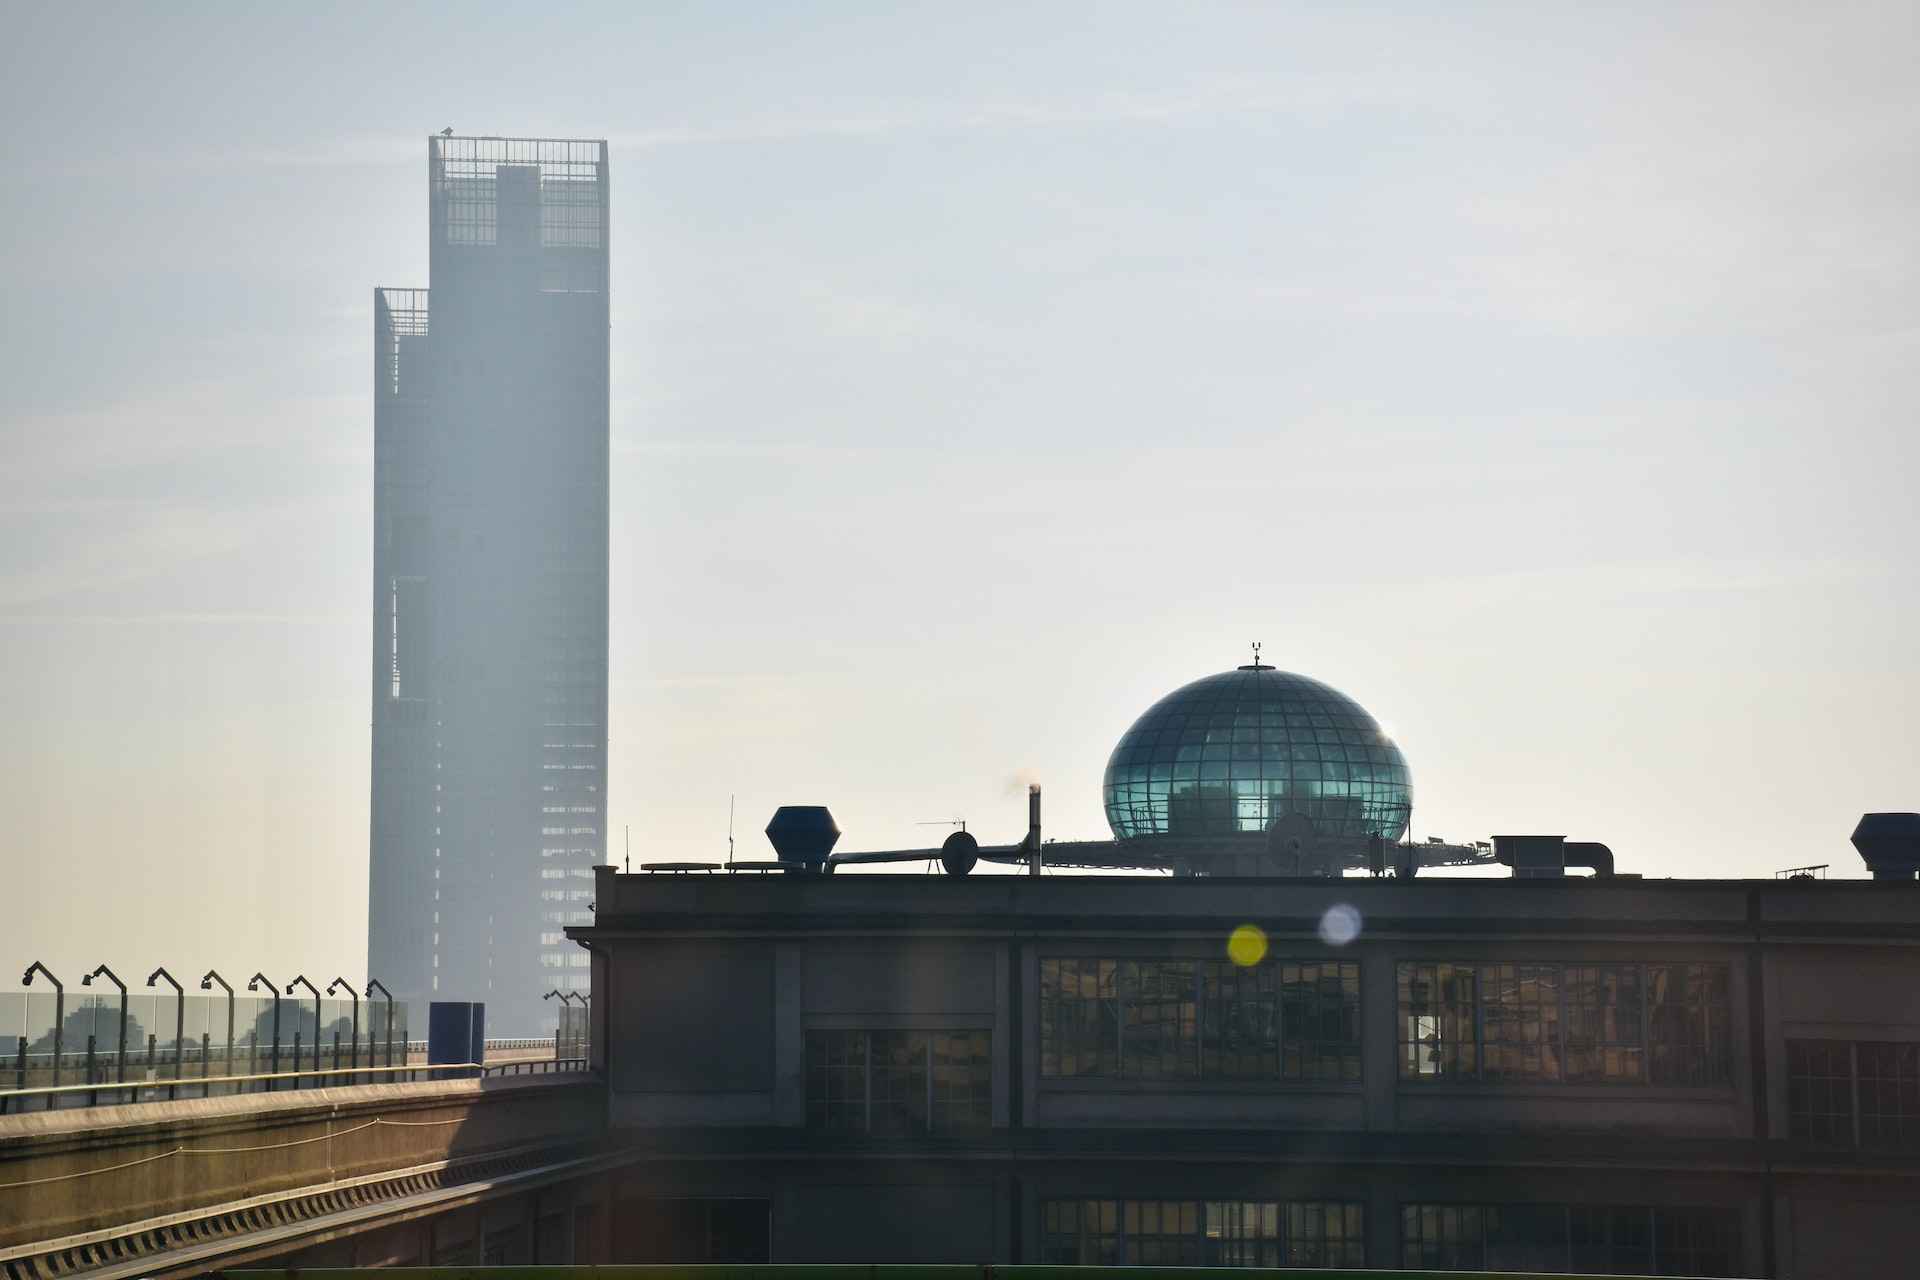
(490, 582)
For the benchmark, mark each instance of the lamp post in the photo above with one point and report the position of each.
(371, 984)
(59, 1013)
(300, 980)
(206, 984)
(560, 1027)
(353, 1057)
(273, 1060)
(120, 1067)
(179, 1026)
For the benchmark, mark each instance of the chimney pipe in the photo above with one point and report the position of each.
(1033, 829)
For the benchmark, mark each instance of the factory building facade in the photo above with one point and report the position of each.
(1556, 1074)
(489, 654)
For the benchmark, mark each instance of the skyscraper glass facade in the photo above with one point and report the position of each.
(490, 582)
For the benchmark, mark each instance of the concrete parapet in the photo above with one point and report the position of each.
(67, 1172)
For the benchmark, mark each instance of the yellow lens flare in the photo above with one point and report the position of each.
(1247, 945)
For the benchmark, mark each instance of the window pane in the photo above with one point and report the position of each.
(1889, 1096)
(1436, 1021)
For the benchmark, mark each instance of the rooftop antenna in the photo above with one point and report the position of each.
(941, 822)
(729, 830)
(629, 830)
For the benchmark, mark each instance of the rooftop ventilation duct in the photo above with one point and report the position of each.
(803, 834)
(1889, 843)
(1548, 857)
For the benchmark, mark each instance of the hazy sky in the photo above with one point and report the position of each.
(1543, 376)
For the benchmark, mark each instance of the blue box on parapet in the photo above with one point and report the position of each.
(456, 1032)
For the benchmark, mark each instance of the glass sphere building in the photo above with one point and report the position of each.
(1231, 753)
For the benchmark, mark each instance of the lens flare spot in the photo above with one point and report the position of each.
(1340, 925)
(1247, 945)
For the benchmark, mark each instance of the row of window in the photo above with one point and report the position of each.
(1614, 1239)
(1199, 1020)
(1854, 1093)
(1660, 1024)
(1282, 1020)
(1581, 1238)
(899, 1082)
(1202, 1233)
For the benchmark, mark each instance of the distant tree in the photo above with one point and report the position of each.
(298, 1016)
(263, 1024)
(100, 1019)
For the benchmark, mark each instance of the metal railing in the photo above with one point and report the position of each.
(75, 1049)
(53, 1097)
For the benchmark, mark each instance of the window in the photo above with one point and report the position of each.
(1520, 1022)
(1889, 1095)
(1845, 1093)
(693, 1231)
(1603, 1023)
(1199, 1020)
(962, 1083)
(1662, 1024)
(1208, 1233)
(899, 1082)
(1436, 1021)
(1687, 1018)
(1611, 1239)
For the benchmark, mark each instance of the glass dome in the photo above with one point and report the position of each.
(1231, 753)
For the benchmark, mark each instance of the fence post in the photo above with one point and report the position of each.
(336, 1058)
(20, 1065)
(296, 1059)
(253, 1052)
(93, 1095)
(206, 1064)
(152, 1047)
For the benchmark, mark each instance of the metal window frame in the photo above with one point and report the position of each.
(1125, 996)
(1202, 1239)
(1656, 1264)
(1479, 1074)
(925, 1037)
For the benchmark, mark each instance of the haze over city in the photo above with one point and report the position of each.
(1543, 378)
